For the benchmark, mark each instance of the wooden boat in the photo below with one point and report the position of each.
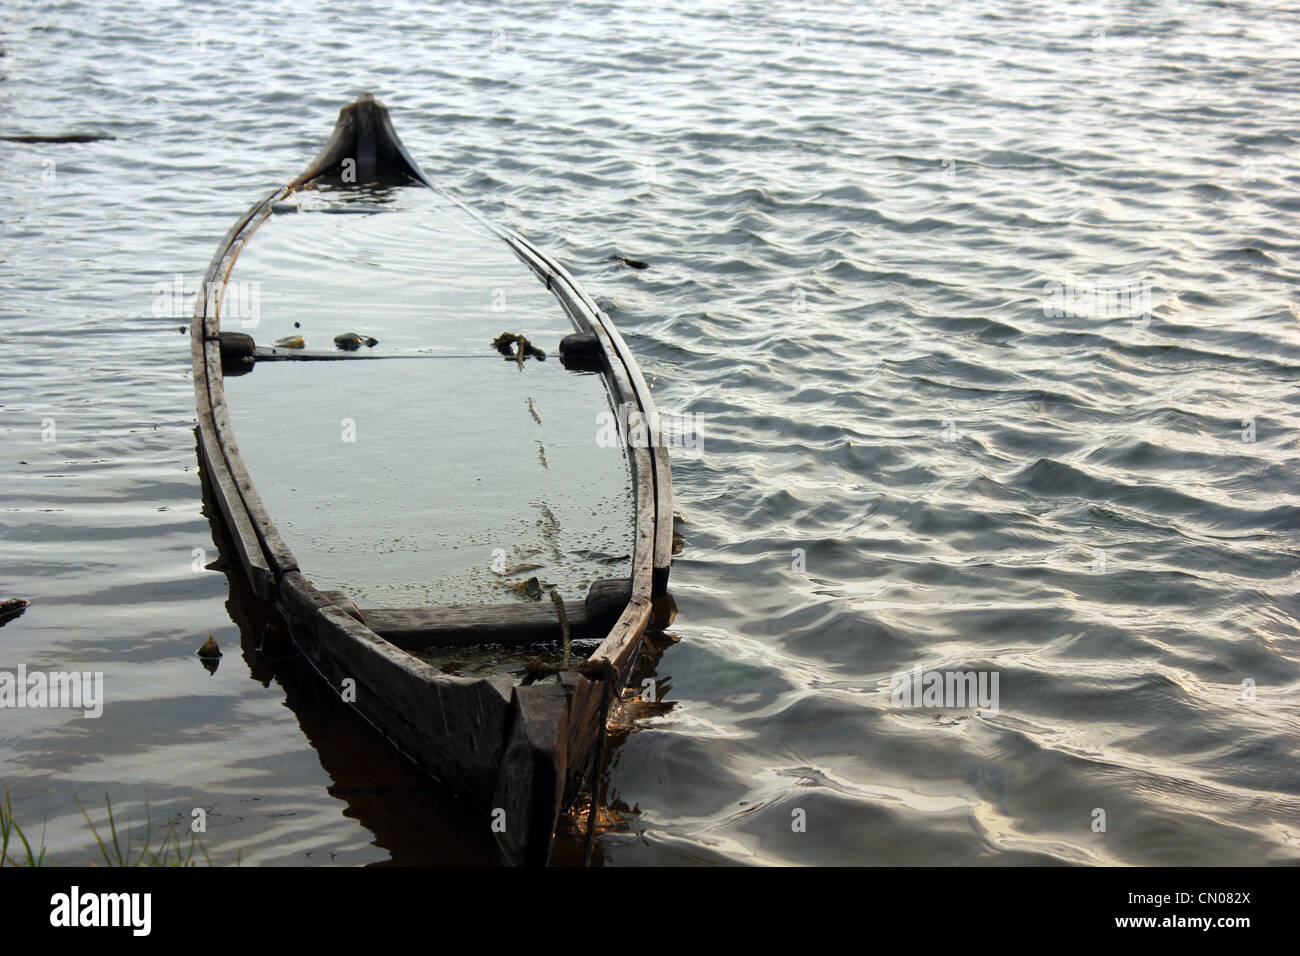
(517, 741)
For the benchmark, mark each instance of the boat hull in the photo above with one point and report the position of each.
(518, 752)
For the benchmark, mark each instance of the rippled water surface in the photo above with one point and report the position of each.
(873, 236)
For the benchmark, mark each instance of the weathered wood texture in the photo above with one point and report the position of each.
(453, 727)
(364, 138)
(531, 785)
(511, 624)
(208, 391)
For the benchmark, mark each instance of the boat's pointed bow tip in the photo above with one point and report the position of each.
(363, 105)
(364, 148)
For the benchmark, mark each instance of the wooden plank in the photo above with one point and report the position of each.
(229, 500)
(510, 624)
(586, 698)
(651, 531)
(643, 479)
(659, 459)
(278, 554)
(453, 626)
(249, 221)
(242, 532)
(643, 545)
(531, 784)
(620, 647)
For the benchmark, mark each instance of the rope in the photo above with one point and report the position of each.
(286, 356)
(564, 623)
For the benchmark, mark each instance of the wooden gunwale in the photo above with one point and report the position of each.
(632, 391)
(482, 736)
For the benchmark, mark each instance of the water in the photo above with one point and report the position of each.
(378, 458)
(861, 225)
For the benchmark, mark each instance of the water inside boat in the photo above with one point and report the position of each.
(451, 478)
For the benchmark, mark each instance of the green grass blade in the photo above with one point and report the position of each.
(103, 849)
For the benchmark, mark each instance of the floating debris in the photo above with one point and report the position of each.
(552, 523)
(533, 411)
(531, 589)
(536, 669)
(631, 710)
(11, 608)
(56, 138)
(550, 526)
(351, 341)
(291, 342)
(210, 656)
(601, 556)
(630, 263)
(505, 342)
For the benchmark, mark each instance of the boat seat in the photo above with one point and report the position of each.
(512, 624)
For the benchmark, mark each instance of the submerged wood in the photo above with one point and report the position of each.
(521, 749)
(507, 624)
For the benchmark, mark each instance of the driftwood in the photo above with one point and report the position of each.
(11, 608)
(522, 749)
(55, 137)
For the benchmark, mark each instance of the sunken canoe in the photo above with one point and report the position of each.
(519, 749)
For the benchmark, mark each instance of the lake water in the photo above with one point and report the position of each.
(987, 312)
